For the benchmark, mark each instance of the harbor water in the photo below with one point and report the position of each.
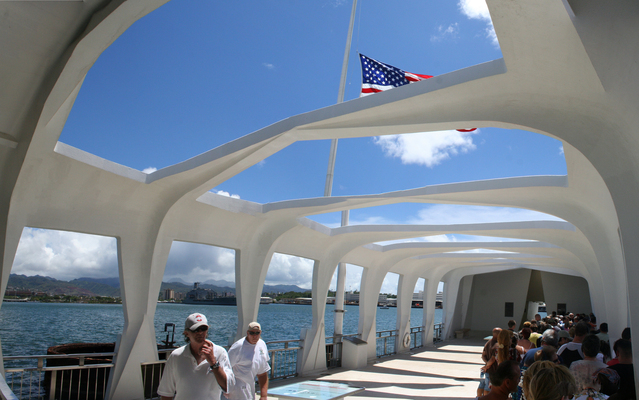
(31, 328)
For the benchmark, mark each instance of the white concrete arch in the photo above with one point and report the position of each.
(375, 271)
(559, 263)
(405, 287)
(459, 283)
(565, 73)
(433, 269)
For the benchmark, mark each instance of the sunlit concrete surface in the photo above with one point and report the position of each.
(448, 371)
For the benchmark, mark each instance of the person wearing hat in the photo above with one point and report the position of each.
(198, 370)
(249, 358)
(549, 338)
(564, 337)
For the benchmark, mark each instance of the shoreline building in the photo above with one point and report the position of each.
(566, 72)
(169, 294)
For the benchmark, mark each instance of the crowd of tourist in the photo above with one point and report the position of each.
(558, 357)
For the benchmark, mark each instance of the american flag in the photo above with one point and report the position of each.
(377, 77)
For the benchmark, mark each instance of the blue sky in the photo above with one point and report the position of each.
(194, 75)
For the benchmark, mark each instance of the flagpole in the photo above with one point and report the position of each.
(328, 188)
(341, 268)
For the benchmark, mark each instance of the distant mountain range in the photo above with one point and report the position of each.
(111, 286)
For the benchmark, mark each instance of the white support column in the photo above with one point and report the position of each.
(249, 282)
(430, 296)
(624, 194)
(607, 304)
(10, 234)
(339, 290)
(141, 267)
(466, 287)
(372, 280)
(313, 358)
(251, 266)
(451, 290)
(405, 288)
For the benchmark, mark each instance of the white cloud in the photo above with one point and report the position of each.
(474, 9)
(353, 278)
(227, 194)
(268, 66)
(390, 283)
(426, 148)
(149, 170)
(372, 220)
(65, 255)
(420, 285)
(193, 262)
(290, 270)
(477, 9)
(561, 150)
(337, 3)
(442, 33)
(444, 214)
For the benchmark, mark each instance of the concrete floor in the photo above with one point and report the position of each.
(448, 371)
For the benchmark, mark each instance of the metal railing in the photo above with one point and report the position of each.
(283, 358)
(386, 342)
(65, 376)
(74, 377)
(437, 335)
(416, 337)
(152, 372)
(334, 345)
(334, 354)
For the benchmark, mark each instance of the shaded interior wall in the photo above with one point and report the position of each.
(489, 294)
(572, 290)
(456, 323)
(535, 293)
(461, 305)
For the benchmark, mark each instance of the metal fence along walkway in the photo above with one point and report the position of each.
(84, 376)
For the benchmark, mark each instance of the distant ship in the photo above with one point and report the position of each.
(207, 297)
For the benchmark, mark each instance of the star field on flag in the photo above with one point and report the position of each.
(377, 76)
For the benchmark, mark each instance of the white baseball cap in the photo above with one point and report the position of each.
(254, 325)
(194, 321)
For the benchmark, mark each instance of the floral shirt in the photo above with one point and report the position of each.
(583, 372)
(590, 394)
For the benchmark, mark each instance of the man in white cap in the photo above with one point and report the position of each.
(249, 358)
(198, 370)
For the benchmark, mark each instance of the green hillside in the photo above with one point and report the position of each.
(53, 286)
(96, 287)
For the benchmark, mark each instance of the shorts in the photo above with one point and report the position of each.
(484, 381)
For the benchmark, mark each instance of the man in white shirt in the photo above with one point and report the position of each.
(200, 369)
(249, 358)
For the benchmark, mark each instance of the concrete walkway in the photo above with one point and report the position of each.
(448, 371)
